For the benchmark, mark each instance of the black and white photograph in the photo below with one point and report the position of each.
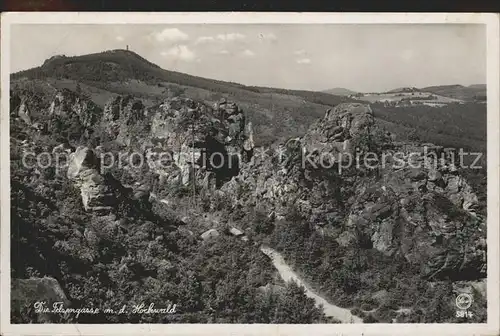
(237, 171)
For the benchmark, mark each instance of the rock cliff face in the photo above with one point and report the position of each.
(22, 104)
(301, 172)
(97, 195)
(407, 211)
(413, 204)
(183, 141)
(180, 143)
(67, 103)
(334, 133)
(122, 118)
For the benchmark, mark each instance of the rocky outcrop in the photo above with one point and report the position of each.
(83, 170)
(293, 173)
(21, 105)
(334, 133)
(181, 141)
(63, 113)
(184, 142)
(414, 204)
(67, 103)
(124, 120)
(24, 112)
(404, 213)
(29, 294)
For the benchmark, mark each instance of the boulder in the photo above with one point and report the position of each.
(212, 233)
(434, 175)
(328, 135)
(28, 294)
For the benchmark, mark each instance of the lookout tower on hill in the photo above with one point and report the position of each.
(127, 47)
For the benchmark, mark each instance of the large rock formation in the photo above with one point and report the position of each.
(294, 172)
(183, 142)
(63, 113)
(333, 133)
(412, 212)
(123, 120)
(83, 169)
(22, 104)
(67, 103)
(177, 144)
(412, 203)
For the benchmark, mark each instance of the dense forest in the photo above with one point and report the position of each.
(454, 125)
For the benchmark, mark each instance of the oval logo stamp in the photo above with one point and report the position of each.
(463, 301)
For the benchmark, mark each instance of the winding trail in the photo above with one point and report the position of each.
(287, 274)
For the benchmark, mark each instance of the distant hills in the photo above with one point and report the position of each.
(113, 66)
(340, 91)
(458, 91)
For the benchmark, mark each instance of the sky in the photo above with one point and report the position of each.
(361, 57)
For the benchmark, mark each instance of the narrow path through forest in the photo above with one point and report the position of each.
(287, 274)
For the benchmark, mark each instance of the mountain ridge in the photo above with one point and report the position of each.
(459, 91)
(51, 66)
(275, 113)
